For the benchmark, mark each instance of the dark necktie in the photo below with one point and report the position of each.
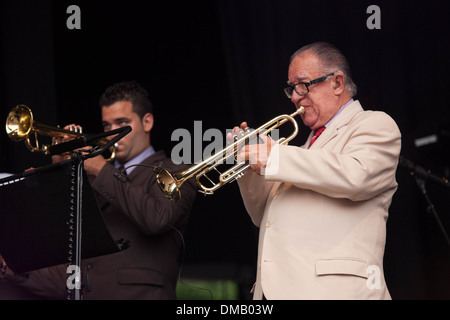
(317, 133)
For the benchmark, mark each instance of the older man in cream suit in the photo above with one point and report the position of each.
(322, 208)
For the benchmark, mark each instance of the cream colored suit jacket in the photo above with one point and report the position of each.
(322, 211)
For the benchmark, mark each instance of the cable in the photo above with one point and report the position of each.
(183, 251)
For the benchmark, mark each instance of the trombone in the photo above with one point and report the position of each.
(20, 125)
(170, 183)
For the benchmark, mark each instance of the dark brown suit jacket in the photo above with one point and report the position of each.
(138, 212)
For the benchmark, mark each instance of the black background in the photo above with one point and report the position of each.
(222, 62)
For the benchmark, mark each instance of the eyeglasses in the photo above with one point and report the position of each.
(302, 88)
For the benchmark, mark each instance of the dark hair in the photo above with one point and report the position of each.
(332, 61)
(128, 91)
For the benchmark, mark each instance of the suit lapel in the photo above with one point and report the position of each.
(341, 120)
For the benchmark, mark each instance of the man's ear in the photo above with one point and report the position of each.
(147, 122)
(339, 83)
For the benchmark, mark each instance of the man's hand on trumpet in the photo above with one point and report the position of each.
(92, 166)
(64, 138)
(255, 154)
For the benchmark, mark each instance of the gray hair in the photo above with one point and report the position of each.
(332, 61)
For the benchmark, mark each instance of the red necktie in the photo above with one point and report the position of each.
(317, 133)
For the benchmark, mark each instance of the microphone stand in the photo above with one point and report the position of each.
(421, 176)
(78, 159)
(431, 209)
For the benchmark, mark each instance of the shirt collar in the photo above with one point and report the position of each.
(136, 160)
(339, 111)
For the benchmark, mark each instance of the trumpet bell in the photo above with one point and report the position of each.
(19, 123)
(168, 184)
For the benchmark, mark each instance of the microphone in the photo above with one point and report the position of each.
(421, 172)
(120, 176)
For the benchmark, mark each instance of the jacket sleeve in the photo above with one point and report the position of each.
(145, 204)
(362, 167)
(255, 192)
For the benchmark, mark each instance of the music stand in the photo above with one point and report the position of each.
(48, 214)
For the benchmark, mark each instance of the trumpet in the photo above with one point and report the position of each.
(170, 183)
(20, 125)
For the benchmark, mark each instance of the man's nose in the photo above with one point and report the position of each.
(296, 98)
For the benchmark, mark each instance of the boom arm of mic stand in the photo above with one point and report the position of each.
(420, 172)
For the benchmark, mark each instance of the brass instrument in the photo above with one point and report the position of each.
(170, 183)
(20, 125)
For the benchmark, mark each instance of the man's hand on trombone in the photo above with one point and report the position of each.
(92, 166)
